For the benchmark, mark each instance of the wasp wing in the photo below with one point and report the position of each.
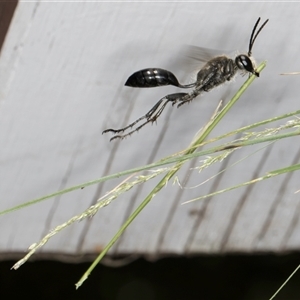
(193, 58)
(202, 54)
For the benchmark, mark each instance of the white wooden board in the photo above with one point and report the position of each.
(62, 73)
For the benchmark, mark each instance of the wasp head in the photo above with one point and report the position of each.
(244, 63)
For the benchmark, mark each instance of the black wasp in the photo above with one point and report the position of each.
(215, 72)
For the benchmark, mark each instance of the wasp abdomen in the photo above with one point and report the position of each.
(152, 77)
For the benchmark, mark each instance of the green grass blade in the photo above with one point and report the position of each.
(267, 176)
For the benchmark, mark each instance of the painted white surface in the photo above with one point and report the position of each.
(62, 73)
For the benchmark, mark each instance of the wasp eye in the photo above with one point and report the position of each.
(243, 62)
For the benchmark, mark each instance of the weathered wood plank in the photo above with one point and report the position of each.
(62, 70)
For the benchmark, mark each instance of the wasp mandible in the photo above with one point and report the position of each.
(215, 72)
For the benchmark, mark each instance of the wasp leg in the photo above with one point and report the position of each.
(174, 98)
(189, 97)
(147, 115)
(151, 116)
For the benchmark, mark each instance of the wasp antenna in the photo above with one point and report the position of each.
(253, 37)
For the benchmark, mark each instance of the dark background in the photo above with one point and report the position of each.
(204, 277)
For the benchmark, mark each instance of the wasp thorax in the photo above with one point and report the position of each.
(243, 62)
